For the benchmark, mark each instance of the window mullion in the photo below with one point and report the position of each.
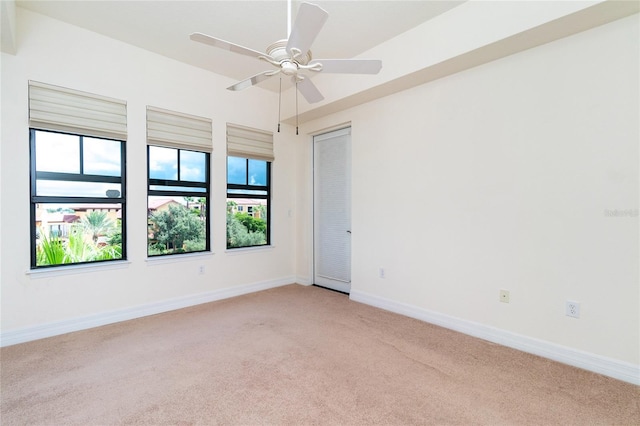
(179, 151)
(168, 182)
(81, 154)
(72, 177)
(79, 200)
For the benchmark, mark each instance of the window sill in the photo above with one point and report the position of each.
(173, 258)
(244, 250)
(77, 269)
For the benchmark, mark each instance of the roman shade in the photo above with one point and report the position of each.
(72, 111)
(178, 130)
(246, 142)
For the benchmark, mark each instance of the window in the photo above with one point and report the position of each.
(178, 158)
(77, 199)
(248, 190)
(249, 158)
(77, 167)
(178, 201)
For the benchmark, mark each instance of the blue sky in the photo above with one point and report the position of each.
(163, 164)
(237, 171)
(57, 152)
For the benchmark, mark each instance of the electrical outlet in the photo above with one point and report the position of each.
(504, 296)
(572, 309)
(201, 269)
(381, 273)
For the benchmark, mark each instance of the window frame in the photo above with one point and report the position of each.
(177, 193)
(249, 195)
(35, 199)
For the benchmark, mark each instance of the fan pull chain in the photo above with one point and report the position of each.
(296, 107)
(279, 103)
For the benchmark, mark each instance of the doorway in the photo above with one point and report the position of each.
(332, 210)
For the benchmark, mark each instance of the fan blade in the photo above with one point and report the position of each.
(309, 91)
(308, 24)
(350, 66)
(252, 81)
(222, 44)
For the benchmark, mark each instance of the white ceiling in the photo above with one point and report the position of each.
(163, 27)
(417, 40)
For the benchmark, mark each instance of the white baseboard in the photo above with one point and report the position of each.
(13, 337)
(598, 364)
(303, 280)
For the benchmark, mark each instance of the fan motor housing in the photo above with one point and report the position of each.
(278, 52)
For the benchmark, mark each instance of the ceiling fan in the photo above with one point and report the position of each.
(292, 57)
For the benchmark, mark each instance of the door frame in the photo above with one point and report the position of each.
(312, 258)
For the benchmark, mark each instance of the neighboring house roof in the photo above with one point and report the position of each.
(70, 218)
(61, 218)
(156, 203)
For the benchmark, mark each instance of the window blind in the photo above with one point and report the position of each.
(246, 142)
(72, 111)
(178, 130)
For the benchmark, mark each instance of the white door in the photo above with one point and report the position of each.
(332, 210)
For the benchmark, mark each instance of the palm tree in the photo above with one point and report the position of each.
(188, 200)
(97, 223)
(262, 212)
(203, 207)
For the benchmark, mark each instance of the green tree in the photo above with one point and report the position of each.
(115, 238)
(203, 207)
(75, 249)
(50, 251)
(60, 210)
(176, 225)
(262, 211)
(239, 236)
(97, 223)
(251, 223)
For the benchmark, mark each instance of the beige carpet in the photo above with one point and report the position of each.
(296, 355)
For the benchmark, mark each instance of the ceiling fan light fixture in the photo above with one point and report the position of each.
(289, 68)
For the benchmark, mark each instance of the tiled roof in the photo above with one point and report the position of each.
(154, 203)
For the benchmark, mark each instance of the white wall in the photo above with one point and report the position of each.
(500, 177)
(496, 177)
(60, 54)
